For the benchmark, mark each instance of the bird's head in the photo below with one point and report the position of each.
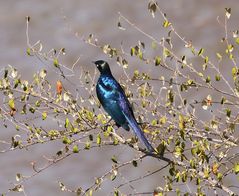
(102, 66)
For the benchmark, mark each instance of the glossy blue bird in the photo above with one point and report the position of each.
(114, 101)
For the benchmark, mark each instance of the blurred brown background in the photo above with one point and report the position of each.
(55, 23)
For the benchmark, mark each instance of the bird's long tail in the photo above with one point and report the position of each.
(134, 125)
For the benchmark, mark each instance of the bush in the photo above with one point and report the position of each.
(187, 106)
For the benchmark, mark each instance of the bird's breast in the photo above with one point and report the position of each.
(105, 88)
(110, 96)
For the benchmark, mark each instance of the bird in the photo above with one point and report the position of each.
(114, 101)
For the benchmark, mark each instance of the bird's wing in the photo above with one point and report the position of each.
(124, 105)
(108, 94)
(118, 93)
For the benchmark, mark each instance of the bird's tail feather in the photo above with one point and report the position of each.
(134, 125)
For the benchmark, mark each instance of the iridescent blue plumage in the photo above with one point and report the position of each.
(114, 101)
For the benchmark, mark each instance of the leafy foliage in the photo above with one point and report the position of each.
(190, 112)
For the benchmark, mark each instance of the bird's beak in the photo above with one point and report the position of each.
(95, 63)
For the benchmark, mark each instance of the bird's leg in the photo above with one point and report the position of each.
(109, 120)
(140, 123)
(118, 126)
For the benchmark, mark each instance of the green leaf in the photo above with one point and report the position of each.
(163, 120)
(89, 115)
(230, 47)
(24, 109)
(223, 100)
(206, 59)
(194, 151)
(234, 71)
(29, 52)
(200, 74)
(178, 192)
(116, 141)
(114, 174)
(208, 79)
(154, 45)
(184, 176)
(140, 55)
(231, 56)
(192, 162)
(62, 186)
(206, 172)
(132, 51)
(236, 168)
(217, 77)
(98, 181)
(172, 170)
(204, 66)
(17, 127)
(136, 73)
(42, 73)
(200, 52)
(113, 158)
(90, 192)
(11, 104)
(87, 145)
(98, 139)
(219, 56)
(38, 103)
(17, 188)
(75, 149)
(32, 110)
(79, 191)
(44, 115)
(166, 24)
(157, 60)
(170, 96)
(237, 40)
(161, 149)
(67, 122)
(66, 140)
(178, 177)
(142, 44)
(178, 151)
(55, 62)
(228, 112)
(198, 181)
(166, 53)
(184, 60)
(154, 122)
(5, 73)
(53, 134)
(16, 83)
(181, 122)
(116, 192)
(219, 176)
